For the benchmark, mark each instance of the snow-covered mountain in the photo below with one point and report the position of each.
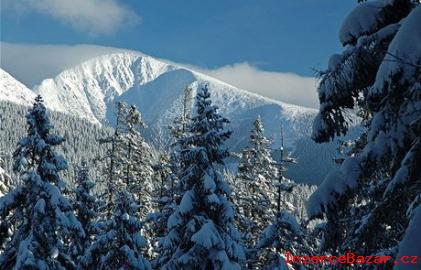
(14, 91)
(90, 90)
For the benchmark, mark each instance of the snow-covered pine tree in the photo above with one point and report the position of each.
(298, 198)
(6, 224)
(43, 216)
(128, 159)
(257, 172)
(5, 180)
(81, 137)
(138, 173)
(166, 205)
(163, 175)
(120, 243)
(284, 185)
(87, 207)
(179, 131)
(263, 198)
(201, 233)
(284, 236)
(137, 161)
(128, 162)
(169, 168)
(180, 124)
(162, 170)
(114, 157)
(380, 71)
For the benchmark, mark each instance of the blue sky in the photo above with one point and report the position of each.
(269, 35)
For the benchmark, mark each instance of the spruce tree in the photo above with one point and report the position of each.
(170, 168)
(180, 124)
(257, 173)
(282, 238)
(162, 170)
(128, 164)
(128, 159)
(114, 157)
(87, 207)
(44, 217)
(179, 131)
(5, 180)
(284, 186)
(201, 233)
(7, 223)
(379, 75)
(137, 161)
(120, 243)
(163, 173)
(166, 206)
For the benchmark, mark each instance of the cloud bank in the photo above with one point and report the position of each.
(95, 17)
(31, 64)
(286, 87)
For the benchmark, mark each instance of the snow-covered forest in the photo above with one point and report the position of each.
(210, 176)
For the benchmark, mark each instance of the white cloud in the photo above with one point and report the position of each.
(287, 87)
(31, 64)
(92, 16)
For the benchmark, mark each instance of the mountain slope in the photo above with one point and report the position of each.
(87, 89)
(90, 89)
(239, 106)
(80, 144)
(14, 91)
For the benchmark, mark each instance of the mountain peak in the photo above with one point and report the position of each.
(14, 91)
(88, 88)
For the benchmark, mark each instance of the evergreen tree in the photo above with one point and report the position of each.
(137, 161)
(284, 186)
(263, 199)
(114, 158)
(169, 168)
(256, 175)
(44, 217)
(379, 73)
(5, 180)
(7, 223)
(180, 124)
(128, 159)
(284, 236)
(201, 233)
(128, 164)
(86, 206)
(166, 205)
(179, 131)
(119, 244)
(138, 171)
(163, 173)
(80, 134)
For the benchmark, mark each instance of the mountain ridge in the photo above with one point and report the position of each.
(13, 90)
(89, 91)
(98, 81)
